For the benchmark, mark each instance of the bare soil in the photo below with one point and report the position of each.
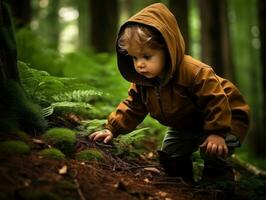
(34, 177)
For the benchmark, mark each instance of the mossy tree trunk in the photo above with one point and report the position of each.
(262, 27)
(215, 37)
(104, 24)
(180, 9)
(16, 110)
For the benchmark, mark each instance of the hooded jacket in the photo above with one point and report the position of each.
(191, 97)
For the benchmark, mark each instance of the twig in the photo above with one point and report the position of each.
(82, 197)
(143, 166)
(100, 144)
(249, 167)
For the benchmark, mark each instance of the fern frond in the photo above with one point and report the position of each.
(77, 96)
(134, 136)
(124, 143)
(47, 111)
(67, 104)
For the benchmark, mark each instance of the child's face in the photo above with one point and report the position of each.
(147, 61)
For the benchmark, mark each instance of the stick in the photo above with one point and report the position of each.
(82, 197)
(249, 167)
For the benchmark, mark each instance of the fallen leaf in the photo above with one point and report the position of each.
(162, 194)
(37, 141)
(146, 180)
(150, 155)
(63, 170)
(152, 169)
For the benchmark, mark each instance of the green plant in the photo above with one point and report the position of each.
(61, 138)
(93, 125)
(63, 95)
(78, 96)
(90, 154)
(14, 147)
(52, 153)
(123, 143)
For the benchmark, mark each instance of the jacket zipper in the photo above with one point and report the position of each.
(158, 88)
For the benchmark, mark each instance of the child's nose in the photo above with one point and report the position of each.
(140, 64)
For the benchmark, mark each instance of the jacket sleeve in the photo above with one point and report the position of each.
(239, 109)
(128, 114)
(212, 102)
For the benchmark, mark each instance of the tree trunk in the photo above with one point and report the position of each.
(8, 51)
(104, 24)
(180, 10)
(52, 26)
(215, 37)
(262, 27)
(84, 24)
(21, 12)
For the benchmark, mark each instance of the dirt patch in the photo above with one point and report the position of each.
(35, 177)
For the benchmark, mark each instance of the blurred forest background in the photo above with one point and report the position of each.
(75, 42)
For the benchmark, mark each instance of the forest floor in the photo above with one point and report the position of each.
(35, 177)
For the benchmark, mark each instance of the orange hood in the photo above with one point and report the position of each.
(159, 17)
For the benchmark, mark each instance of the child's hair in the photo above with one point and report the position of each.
(141, 35)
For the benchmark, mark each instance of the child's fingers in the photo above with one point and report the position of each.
(220, 150)
(100, 136)
(209, 148)
(96, 135)
(214, 148)
(225, 151)
(91, 136)
(204, 144)
(108, 138)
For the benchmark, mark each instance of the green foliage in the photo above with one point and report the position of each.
(35, 50)
(71, 107)
(61, 138)
(124, 143)
(14, 147)
(93, 125)
(63, 95)
(249, 157)
(99, 70)
(52, 153)
(90, 154)
(253, 183)
(77, 96)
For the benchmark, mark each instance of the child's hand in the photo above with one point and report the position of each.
(215, 145)
(103, 135)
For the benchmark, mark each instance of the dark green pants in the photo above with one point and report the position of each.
(184, 143)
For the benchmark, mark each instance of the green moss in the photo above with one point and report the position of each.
(65, 185)
(23, 136)
(52, 153)
(14, 147)
(61, 138)
(90, 154)
(37, 195)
